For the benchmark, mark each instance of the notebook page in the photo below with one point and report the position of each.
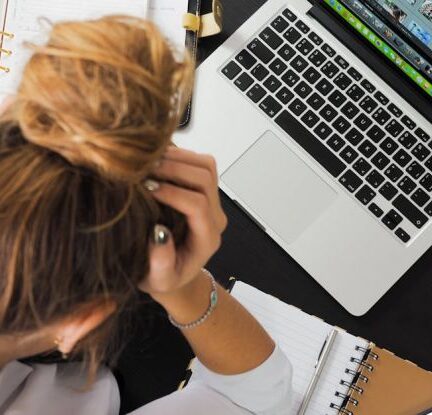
(168, 15)
(301, 337)
(24, 21)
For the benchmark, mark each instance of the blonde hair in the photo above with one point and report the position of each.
(95, 110)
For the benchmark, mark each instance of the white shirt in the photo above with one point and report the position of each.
(57, 390)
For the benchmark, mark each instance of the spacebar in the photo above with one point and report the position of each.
(310, 143)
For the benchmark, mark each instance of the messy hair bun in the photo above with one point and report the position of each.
(104, 101)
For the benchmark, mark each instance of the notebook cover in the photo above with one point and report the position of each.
(395, 387)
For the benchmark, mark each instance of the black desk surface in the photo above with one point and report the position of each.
(400, 322)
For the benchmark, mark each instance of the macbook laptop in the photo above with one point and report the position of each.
(318, 114)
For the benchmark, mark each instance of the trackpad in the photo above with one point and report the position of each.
(279, 187)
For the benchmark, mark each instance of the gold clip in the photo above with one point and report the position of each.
(5, 51)
(191, 22)
(212, 23)
(9, 35)
(4, 69)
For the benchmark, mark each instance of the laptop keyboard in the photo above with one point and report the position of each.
(374, 150)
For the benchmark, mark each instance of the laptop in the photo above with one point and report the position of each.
(319, 116)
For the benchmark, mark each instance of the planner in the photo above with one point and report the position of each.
(358, 378)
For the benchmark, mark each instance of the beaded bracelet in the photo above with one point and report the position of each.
(206, 315)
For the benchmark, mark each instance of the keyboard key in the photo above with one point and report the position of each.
(261, 51)
(407, 185)
(392, 219)
(270, 106)
(422, 135)
(389, 146)
(376, 210)
(271, 38)
(354, 136)
(317, 58)
(350, 110)
(322, 130)
(299, 64)
(256, 93)
(351, 181)
(297, 107)
(305, 47)
(361, 166)
(259, 72)
(324, 86)
(375, 179)
(341, 62)
(402, 235)
(363, 122)
(365, 195)
(428, 163)
(421, 152)
(311, 75)
(316, 101)
(381, 116)
(246, 59)
(303, 90)
(337, 98)
(368, 86)
(402, 158)
(243, 82)
(355, 93)
(376, 134)
(393, 172)
(279, 24)
(315, 38)
(395, 110)
(328, 50)
(354, 74)
(310, 144)
(407, 139)
(290, 78)
(231, 70)
(420, 197)
(342, 81)
(341, 124)
(415, 170)
(289, 15)
(310, 119)
(408, 122)
(335, 142)
(367, 148)
(328, 113)
(428, 209)
(278, 67)
(426, 182)
(380, 161)
(304, 28)
(383, 100)
(284, 95)
(388, 191)
(348, 154)
(292, 35)
(286, 52)
(414, 215)
(368, 104)
(330, 70)
(272, 83)
(394, 128)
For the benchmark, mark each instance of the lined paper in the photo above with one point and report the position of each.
(301, 337)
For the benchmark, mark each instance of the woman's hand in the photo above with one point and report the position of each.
(195, 194)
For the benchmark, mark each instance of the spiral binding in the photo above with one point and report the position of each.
(352, 384)
(7, 52)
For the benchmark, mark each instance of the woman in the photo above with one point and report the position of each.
(95, 204)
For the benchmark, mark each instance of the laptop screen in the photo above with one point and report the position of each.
(399, 29)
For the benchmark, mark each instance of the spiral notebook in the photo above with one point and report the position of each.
(358, 378)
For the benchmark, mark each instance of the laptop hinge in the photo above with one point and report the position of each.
(384, 69)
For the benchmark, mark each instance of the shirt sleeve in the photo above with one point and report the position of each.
(265, 390)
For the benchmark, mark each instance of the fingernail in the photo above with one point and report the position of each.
(161, 235)
(151, 185)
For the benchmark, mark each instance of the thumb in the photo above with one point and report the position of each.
(162, 258)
